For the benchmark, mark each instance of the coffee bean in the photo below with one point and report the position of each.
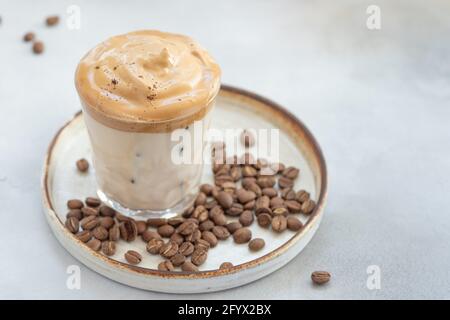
(226, 265)
(201, 199)
(194, 236)
(84, 236)
(294, 224)
(280, 211)
(206, 225)
(264, 220)
(291, 173)
(256, 244)
(262, 205)
(178, 259)
(72, 224)
(82, 165)
(100, 233)
(186, 248)
(270, 192)
(155, 223)
(288, 194)
(187, 228)
(249, 171)
(320, 277)
(220, 232)
(75, 213)
(52, 20)
(89, 222)
(206, 189)
(106, 211)
(235, 173)
(225, 199)
(148, 235)
(201, 244)
(228, 186)
(107, 222)
(114, 233)
(189, 267)
(210, 237)
(94, 244)
(199, 256)
(128, 230)
(233, 226)
(122, 218)
(242, 235)
(302, 196)
(245, 196)
(276, 202)
(200, 213)
(266, 181)
(87, 211)
(216, 210)
(29, 36)
(166, 230)
(250, 205)
(246, 182)
(109, 248)
(293, 206)
(210, 204)
(75, 204)
(247, 138)
(166, 266)
(284, 182)
(141, 226)
(308, 206)
(246, 218)
(235, 210)
(255, 188)
(133, 257)
(279, 223)
(154, 245)
(92, 202)
(219, 219)
(177, 238)
(168, 249)
(220, 180)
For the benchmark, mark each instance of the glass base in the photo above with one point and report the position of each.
(176, 210)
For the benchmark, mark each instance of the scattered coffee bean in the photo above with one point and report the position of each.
(88, 211)
(122, 218)
(189, 267)
(154, 245)
(84, 236)
(266, 181)
(82, 165)
(247, 138)
(38, 47)
(270, 192)
(75, 213)
(206, 225)
(177, 238)
(94, 244)
(250, 205)
(166, 230)
(178, 259)
(186, 248)
(293, 206)
(128, 230)
(155, 223)
(72, 224)
(291, 173)
(141, 226)
(148, 235)
(133, 257)
(246, 218)
(262, 205)
(294, 224)
(89, 222)
(106, 211)
(276, 202)
(201, 199)
(92, 202)
(226, 265)
(210, 237)
(280, 211)
(176, 221)
(168, 249)
(235, 210)
(308, 206)
(288, 194)
(107, 222)
(302, 196)
(284, 182)
(279, 223)
(225, 199)
(219, 219)
(245, 196)
(166, 266)
(114, 233)
(249, 171)
(100, 233)
(199, 256)
(233, 226)
(194, 236)
(264, 220)
(186, 228)
(52, 20)
(29, 36)
(201, 244)
(256, 244)
(75, 204)
(220, 232)
(320, 277)
(242, 235)
(206, 189)
(109, 248)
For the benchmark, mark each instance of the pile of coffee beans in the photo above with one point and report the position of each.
(245, 191)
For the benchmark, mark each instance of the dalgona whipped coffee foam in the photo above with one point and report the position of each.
(135, 90)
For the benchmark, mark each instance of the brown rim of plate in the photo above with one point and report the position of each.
(294, 123)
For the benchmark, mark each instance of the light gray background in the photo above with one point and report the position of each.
(377, 101)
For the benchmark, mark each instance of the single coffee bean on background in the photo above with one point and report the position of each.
(166, 230)
(133, 257)
(29, 36)
(264, 220)
(82, 165)
(186, 248)
(294, 224)
(94, 244)
(166, 266)
(199, 256)
(242, 235)
(256, 244)
(52, 21)
(84, 236)
(320, 277)
(109, 248)
(168, 249)
(178, 259)
(75, 213)
(154, 246)
(72, 224)
(75, 204)
(226, 265)
(266, 181)
(279, 223)
(188, 266)
(114, 233)
(155, 223)
(92, 202)
(233, 226)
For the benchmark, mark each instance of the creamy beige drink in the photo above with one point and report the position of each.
(136, 89)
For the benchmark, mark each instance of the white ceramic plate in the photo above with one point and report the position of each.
(235, 108)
